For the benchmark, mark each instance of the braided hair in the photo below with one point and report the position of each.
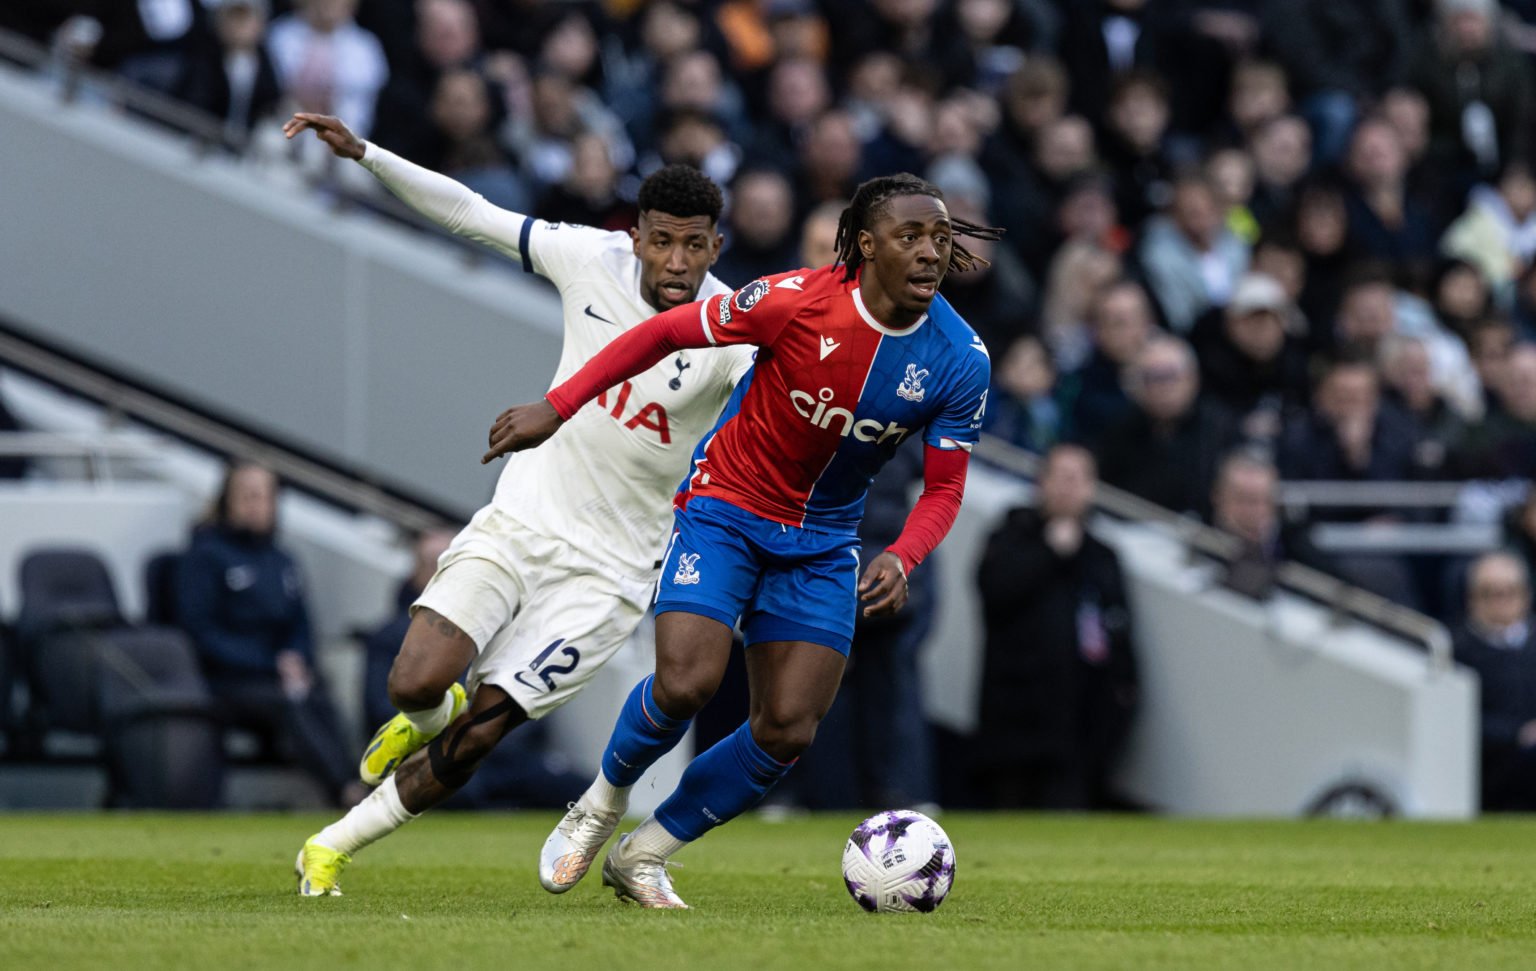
(870, 201)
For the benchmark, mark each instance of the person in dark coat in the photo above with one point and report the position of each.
(229, 73)
(1121, 321)
(1338, 52)
(241, 599)
(1166, 449)
(1250, 360)
(1496, 641)
(1059, 678)
(1478, 88)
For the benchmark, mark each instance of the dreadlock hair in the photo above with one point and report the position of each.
(682, 191)
(870, 201)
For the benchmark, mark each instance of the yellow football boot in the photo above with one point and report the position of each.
(319, 869)
(397, 740)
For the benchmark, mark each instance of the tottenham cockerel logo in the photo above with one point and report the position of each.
(686, 574)
(911, 387)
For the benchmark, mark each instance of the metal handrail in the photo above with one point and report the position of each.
(1342, 599)
(209, 133)
(1395, 494)
(94, 451)
(346, 491)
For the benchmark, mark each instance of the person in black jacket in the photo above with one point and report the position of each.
(1059, 678)
(241, 599)
(1166, 449)
(1250, 360)
(1497, 643)
(229, 73)
(1337, 53)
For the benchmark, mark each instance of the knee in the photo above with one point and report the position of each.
(413, 689)
(681, 694)
(784, 735)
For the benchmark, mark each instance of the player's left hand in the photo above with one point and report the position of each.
(883, 588)
(521, 427)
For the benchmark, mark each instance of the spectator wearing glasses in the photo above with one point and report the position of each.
(1167, 448)
(1496, 642)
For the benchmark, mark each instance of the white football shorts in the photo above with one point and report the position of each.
(544, 617)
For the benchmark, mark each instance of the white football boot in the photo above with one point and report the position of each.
(571, 848)
(642, 879)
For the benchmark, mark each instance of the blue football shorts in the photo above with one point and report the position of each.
(784, 583)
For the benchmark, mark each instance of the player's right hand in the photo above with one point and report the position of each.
(521, 427)
(331, 130)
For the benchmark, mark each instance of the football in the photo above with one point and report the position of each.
(899, 862)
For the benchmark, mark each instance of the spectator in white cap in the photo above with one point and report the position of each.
(1252, 360)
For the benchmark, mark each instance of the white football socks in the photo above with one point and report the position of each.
(373, 818)
(651, 839)
(431, 721)
(604, 797)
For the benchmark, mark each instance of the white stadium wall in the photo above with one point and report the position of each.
(1247, 709)
(249, 296)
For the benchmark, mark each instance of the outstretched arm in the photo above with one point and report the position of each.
(755, 314)
(448, 203)
(636, 350)
(884, 585)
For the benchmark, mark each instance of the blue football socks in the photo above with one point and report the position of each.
(641, 736)
(731, 777)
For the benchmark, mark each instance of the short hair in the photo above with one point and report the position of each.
(1509, 556)
(1138, 78)
(1063, 449)
(1244, 457)
(1368, 273)
(1038, 75)
(870, 201)
(682, 191)
(1187, 358)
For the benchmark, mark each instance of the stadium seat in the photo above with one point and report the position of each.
(66, 598)
(160, 589)
(64, 589)
(162, 733)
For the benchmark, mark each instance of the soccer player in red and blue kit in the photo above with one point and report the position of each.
(853, 359)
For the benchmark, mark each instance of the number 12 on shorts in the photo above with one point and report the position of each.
(547, 672)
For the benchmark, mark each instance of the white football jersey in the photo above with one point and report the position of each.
(604, 483)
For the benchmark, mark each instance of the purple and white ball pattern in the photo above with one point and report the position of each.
(899, 861)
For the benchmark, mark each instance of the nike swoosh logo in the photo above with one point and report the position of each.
(598, 316)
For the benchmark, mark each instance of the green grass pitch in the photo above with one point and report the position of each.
(144, 892)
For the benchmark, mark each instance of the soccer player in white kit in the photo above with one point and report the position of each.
(551, 578)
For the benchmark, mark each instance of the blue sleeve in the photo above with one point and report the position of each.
(958, 423)
(199, 588)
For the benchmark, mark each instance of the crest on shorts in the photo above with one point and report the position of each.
(686, 574)
(911, 387)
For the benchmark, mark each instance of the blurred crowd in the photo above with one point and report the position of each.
(1247, 240)
(1304, 227)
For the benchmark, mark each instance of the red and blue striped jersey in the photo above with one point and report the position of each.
(832, 394)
